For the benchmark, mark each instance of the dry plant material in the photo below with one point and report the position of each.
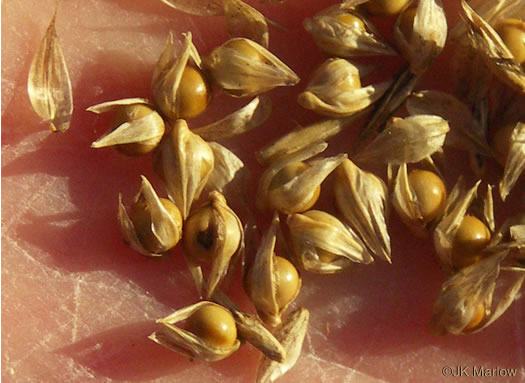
(250, 329)
(153, 225)
(465, 303)
(515, 160)
(244, 68)
(346, 33)
(48, 83)
(420, 33)
(229, 173)
(362, 199)
(419, 199)
(179, 86)
(323, 244)
(137, 129)
(407, 140)
(272, 282)
(213, 234)
(291, 335)
(493, 50)
(244, 21)
(335, 90)
(290, 185)
(303, 137)
(252, 115)
(184, 162)
(189, 344)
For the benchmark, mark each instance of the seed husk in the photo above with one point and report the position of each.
(323, 244)
(296, 194)
(168, 74)
(493, 50)
(154, 225)
(138, 128)
(466, 290)
(48, 82)
(335, 90)
(291, 335)
(197, 8)
(407, 140)
(362, 199)
(213, 234)
(243, 20)
(261, 281)
(515, 163)
(333, 33)
(243, 68)
(250, 116)
(429, 33)
(185, 342)
(184, 162)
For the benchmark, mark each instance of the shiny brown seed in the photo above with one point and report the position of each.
(193, 94)
(130, 113)
(471, 237)
(385, 7)
(512, 32)
(430, 192)
(501, 142)
(285, 175)
(214, 324)
(140, 215)
(351, 21)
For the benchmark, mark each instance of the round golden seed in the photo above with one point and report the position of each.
(140, 215)
(130, 113)
(501, 142)
(287, 281)
(351, 21)
(471, 237)
(430, 192)
(285, 175)
(243, 48)
(385, 7)
(214, 324)
(512, 32)
(193, 93)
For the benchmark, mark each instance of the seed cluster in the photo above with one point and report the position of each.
(407, 131)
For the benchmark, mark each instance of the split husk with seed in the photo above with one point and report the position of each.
(340, 39)
(495, 54)
(323, 244)
(250, 329)
(214, 234)
(186, 343)
(48, 82)
(156, 229)
(408, 207)
(243, 68)
(168, 73)
(428, 37)
(295, 195)
(470, 287)
(291, 335)
(362, 199)
(136, 136)
(261, 280)
(407, 140)
(252, 115)
(335, 90)
(184, 162)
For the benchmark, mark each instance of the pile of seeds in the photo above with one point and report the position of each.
(407, 130)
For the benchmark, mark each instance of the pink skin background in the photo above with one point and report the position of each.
(77, 304)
